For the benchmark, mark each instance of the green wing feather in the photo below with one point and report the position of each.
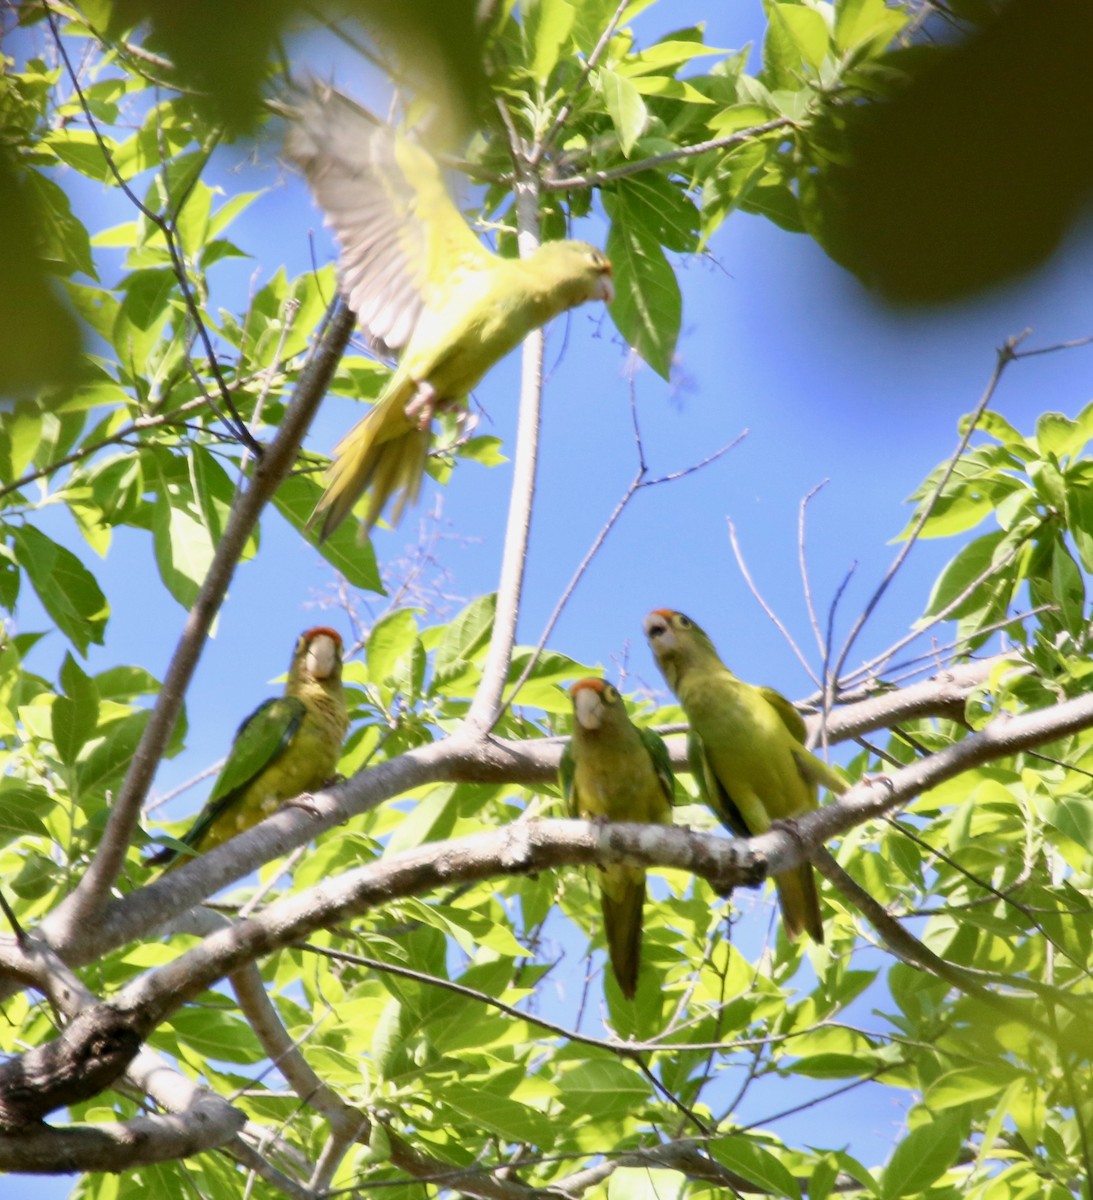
(567, 774)
(662, 761)
(789, 716)
(260, 741)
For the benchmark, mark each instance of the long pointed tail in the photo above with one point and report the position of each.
(800, 903)
(383, 452)
(623, 902)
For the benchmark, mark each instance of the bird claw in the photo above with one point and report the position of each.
(789, 825)
(306, 801)
(421, 409)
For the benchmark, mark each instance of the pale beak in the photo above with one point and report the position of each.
(658, 632)
(588, 708)
(322, 657)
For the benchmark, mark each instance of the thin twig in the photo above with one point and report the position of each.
(1004, 357)
(570, 183)
(743, 568)
(547, 141)
(806, 582)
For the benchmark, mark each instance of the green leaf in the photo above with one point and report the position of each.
(924, 1155)
(959, 573)
(392, 637)
(466, 634)
(183, 548)
(547, 26)
(1059, 435)
(214, 1033)
(502, 1115)
(648, 307)
(22, 809)
(967, 1084)
(646, 1183)
(1068, 588)
(751, 1161)
(295, 500)
(1073, 816)
(796, 37)
(858, 22)
(625, 107)
(75, 715)
(67, 589)
(1079, 519)
(663, 208)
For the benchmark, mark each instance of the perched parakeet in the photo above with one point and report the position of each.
(288, 746)
(423, 286)
(746, 749)
(613, 771)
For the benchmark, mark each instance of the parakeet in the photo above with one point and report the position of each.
(746, 749)
(613, 771)
(287, 746)
(421, 284)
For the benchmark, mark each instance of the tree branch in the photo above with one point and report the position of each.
(69, 921)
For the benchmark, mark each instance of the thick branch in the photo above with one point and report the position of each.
(69, 920)
(117, 1146)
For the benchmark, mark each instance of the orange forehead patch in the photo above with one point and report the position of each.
(319, 630)
(592, 685)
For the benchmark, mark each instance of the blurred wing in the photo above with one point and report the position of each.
(662, 761)
(789, 716)
(403, 242)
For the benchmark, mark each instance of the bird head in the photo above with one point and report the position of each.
(581, 268)
(673, 638)
(594, 701)
(319, 653)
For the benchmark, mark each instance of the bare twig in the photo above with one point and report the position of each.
(568, 183)
(743, 568)
(1005, 356)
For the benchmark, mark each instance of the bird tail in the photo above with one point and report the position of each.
(623, 903)
(800, 903)
(382, 452)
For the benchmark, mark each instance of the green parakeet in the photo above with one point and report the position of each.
(613, 771)
(746, 749)
(288, 746)
(422, 286)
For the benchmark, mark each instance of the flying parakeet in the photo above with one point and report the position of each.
(613, 771)
(423, 286)
(287, 746)
(746, 749)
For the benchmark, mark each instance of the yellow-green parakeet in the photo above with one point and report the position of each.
(746, 749)
(288, 746)
(422, 286)
(614, 771)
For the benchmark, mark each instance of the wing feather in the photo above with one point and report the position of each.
(401, 237)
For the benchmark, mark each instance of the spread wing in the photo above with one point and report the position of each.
(402, 239)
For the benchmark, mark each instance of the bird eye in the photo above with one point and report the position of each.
(611, 694)
(685, 622)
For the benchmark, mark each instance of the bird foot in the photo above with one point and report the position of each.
(306, 801)
(423, 406)
(789, 825)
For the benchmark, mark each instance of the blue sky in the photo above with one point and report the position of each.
(776, 339)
